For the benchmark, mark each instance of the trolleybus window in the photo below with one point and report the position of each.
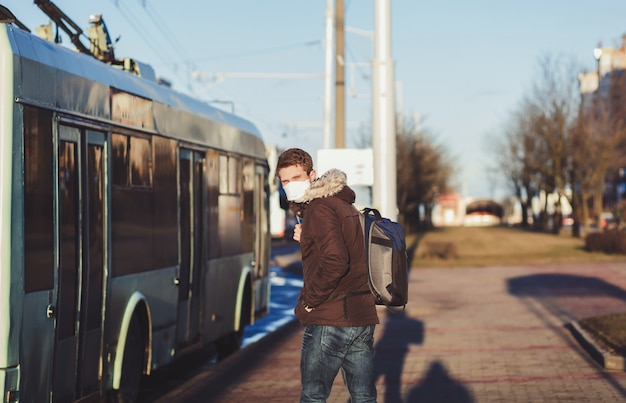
(249, 213)
(132, 161)
(229, 175)
(119, 160)
(68, 236)
(38, 206)
(140, 158)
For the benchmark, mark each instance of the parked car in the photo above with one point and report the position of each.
(568, 220)
(607, 220)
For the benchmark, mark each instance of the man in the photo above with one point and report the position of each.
(335, 305)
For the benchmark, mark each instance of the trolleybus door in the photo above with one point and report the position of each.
(261, 241)
(81, 223)
(191, 234)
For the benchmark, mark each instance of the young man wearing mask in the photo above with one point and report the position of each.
(335, 304)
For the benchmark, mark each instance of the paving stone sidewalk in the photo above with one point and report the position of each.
(496, 334)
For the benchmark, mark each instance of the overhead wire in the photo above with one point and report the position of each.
(352, 50)
(186, 59)
(239, 55)
(166, 32)
(138, 26)
(293, 49)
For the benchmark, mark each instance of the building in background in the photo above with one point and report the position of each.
(608, 84)
(449, 210)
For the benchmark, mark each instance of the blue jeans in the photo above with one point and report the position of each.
(325, 350)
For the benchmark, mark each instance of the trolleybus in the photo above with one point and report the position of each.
(133, 224)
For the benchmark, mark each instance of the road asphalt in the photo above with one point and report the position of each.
(492, 334)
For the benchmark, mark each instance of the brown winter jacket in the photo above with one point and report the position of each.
(333, 257)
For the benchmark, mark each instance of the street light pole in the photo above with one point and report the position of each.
(597, 54)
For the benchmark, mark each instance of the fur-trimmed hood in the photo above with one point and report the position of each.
(330, 184)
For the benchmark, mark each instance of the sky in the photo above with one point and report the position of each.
(461, 67)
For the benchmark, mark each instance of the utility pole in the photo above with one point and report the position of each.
(383, 114)
(340, 85)
(328, 75)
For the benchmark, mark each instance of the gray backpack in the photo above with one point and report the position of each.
(387, 259)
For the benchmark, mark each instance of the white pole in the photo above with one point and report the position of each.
(383, 114)
(328, 76)
(398, 111)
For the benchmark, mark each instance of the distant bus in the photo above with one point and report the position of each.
(278, 217)
(278, 212)
(134, 225)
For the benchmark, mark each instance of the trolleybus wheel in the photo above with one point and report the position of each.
(132, 365)
(231, 343)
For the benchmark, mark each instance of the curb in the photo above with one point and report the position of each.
(607, 360)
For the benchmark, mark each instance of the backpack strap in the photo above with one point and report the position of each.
(376, 213)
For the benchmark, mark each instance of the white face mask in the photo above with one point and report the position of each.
(295, 189)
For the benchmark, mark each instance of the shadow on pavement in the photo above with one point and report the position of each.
(555, 285)
(392, 348)
(438, 386)
(569, 297)
(391, 351)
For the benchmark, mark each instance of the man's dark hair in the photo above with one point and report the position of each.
(295, 156)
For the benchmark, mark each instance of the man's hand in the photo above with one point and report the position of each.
(296, 232)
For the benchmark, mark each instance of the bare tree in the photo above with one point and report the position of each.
(598, 150)
(423, 172)
(513, 153)
(556, 98)
(535, 154)
(552, 143)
